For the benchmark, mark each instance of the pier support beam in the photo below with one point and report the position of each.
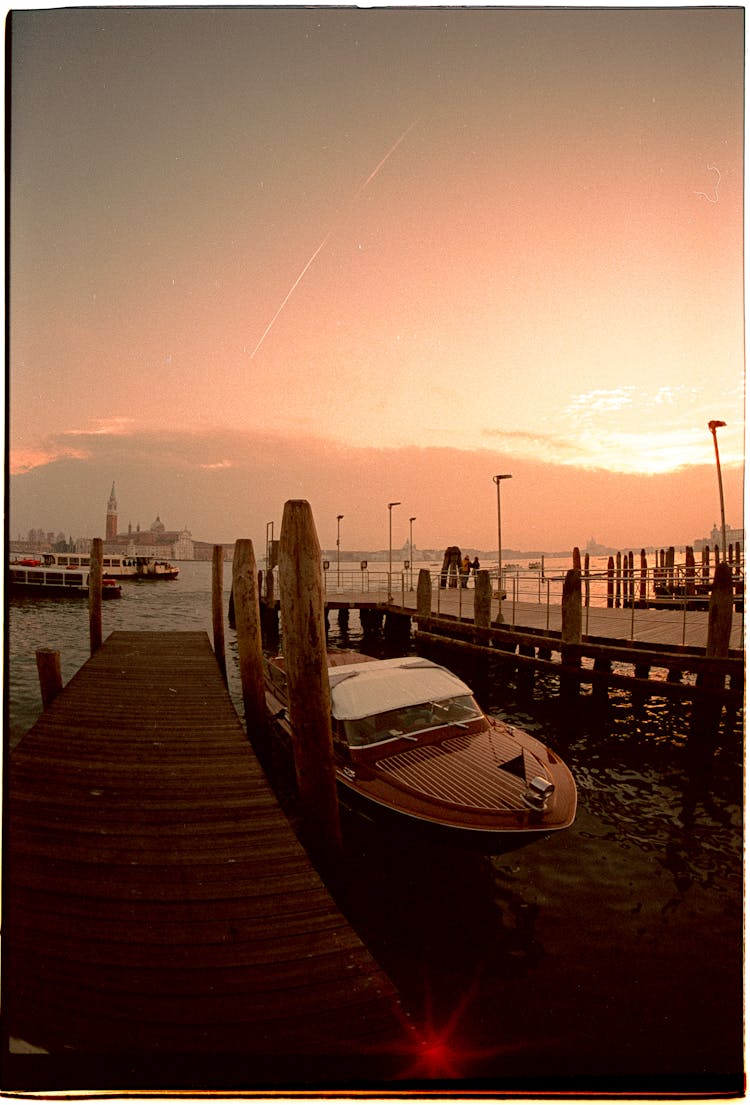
(302, 619)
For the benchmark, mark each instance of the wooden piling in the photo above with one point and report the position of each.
(483, 599)
(643, 579)
(302, 606)
(610, 583)
(720, 612)
(217, 608)
(95, 595)
(707, 711)
(618, 580)
(689, 570)
(424, 594)
(50, 676)
(249, 642)
(571, 634)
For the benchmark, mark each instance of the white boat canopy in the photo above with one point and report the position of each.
(362, 690)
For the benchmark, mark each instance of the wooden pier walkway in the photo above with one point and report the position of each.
(163, 926)
(674, 627)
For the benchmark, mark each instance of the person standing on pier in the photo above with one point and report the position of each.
(465, 565)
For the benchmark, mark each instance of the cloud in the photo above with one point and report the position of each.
(104, 427)
(592, 404)
(223, 484)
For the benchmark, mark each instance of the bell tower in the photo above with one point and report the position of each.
(111, 530)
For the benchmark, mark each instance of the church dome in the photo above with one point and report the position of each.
(157, 526)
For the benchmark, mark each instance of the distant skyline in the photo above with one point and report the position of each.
(365, 255)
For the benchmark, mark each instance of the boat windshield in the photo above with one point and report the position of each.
(408, 720)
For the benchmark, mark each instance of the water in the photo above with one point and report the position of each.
(605, 958)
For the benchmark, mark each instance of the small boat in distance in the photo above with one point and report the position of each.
(411, 745)
(24, 579)
(114, 565)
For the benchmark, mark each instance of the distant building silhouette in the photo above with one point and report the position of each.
(111, 527)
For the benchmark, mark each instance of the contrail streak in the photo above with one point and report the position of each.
(359, 191)
(288, 295)
(382, 162)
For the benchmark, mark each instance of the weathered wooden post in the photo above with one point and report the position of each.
(586, 580)
(303, 628)
(50, 676)
(689, 570)
(610, 582)
(424, 596)
(707, 711)
(217, 608)
(618, 580)
(483, 599)
(644, 578)
(249, 643)
(95, 595)
(570, 636)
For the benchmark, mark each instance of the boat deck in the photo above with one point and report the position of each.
(160, 912)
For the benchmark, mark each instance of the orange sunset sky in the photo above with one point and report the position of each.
(365, 255)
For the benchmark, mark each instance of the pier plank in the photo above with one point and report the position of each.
(158, 902)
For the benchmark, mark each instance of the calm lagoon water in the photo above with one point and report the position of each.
(607, 958)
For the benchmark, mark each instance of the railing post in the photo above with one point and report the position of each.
(217, 608)
(95, 595)
(303, 627)
(249, 638)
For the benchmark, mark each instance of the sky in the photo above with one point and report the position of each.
(367, 255)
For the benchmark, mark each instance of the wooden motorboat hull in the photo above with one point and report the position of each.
(462, 785)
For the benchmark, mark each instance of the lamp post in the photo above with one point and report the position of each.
(390, 547)
(713, 427)
(497, 480)
(338, 550)
(411, 553)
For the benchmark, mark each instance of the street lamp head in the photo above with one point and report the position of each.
(393, 504)
(713, 426)
(498, 478)
(339, 517)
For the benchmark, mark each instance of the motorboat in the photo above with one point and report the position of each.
(24, 579)
(412, 745)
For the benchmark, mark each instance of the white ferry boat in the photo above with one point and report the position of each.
(113, 565)
(27, 578)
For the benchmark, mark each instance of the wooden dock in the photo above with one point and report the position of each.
(674, 627)
(163, 926)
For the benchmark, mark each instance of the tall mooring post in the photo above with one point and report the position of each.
(249, 643)
(707, 711)
(50, 674)
(571, 631)
(217, 608)
(95, 595)
(483, 599)
(303, 627)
